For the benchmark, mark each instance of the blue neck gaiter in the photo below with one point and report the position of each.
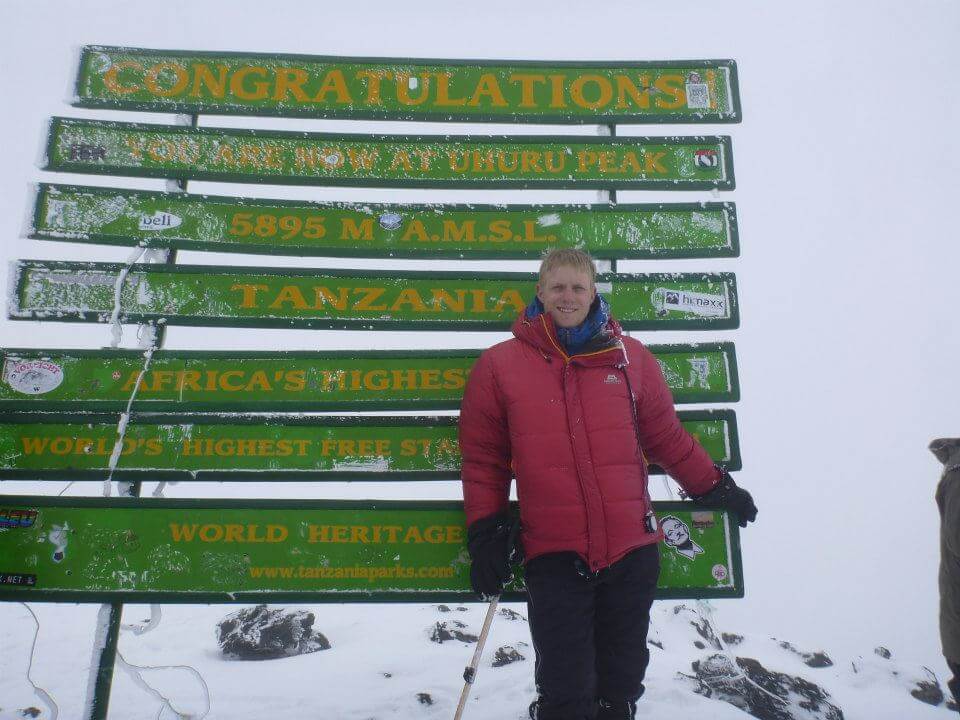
(574, 339)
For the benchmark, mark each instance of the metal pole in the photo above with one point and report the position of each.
(108, 620)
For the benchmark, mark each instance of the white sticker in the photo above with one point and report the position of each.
(549, 220)
(32, 377)
(61, 213)
(87, 279)
(159, 221)
(390, 220)
(605, 287)
(719, 572)
(699, 373)
(59, 536)
(333, 159)
(706, 158)
(698, 96)
(701, 304)
(677, 535)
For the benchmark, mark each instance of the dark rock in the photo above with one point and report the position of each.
(655, 643)
(443, 608)
(817, 660)
(31, 712)
(424, 699)
(731, 638)
(764, 694)
(462, 609)
(506, 655)
(882, 652)
(701, 625)
(259, 633)
(511, 614)
(929, 692)
(699, 645)
(388, 675)
(442, 632)
(814, 660)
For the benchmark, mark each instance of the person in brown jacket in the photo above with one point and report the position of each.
(947, 451)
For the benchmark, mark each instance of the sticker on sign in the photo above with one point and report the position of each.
(702, 304)
(32, 377)
(159, 221)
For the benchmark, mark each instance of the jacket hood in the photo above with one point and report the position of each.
(947, 451)
(541, 332)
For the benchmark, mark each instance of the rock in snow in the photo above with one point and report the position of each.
(763, 693)
(259, 633)
(506, 655)
(443, 631)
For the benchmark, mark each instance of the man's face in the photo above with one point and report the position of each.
(566, 294)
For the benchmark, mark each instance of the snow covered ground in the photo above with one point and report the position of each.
(382, 664)
(846, 165)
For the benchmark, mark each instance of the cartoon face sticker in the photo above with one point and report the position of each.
(677, 535)
(59, 537)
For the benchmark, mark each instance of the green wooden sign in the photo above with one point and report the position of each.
(273, 297)
(95, 380)
(168, 151)
(159, 550)
(45, 446)
(686, 91)
(276, 227)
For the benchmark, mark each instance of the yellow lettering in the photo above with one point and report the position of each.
(489, 88)
(260, 87)
(409, 296)
(249, 293)
(290, 294)
(604, 91)
(334, 83)
(290, 80)
(215, 86)
(153, 76)
(111, 78)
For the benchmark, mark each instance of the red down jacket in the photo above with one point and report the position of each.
(565, 426)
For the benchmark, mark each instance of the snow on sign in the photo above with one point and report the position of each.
(161, 550)
(689, 91)
(572, 161)
(249, 225)
(275, 297)
(357, 380)
(173, 447)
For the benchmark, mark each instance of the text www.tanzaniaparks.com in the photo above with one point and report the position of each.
(370, 574)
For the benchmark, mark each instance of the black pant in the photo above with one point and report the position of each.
(589, 630)
(954, 682)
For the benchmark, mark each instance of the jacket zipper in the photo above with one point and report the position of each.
(636, 432)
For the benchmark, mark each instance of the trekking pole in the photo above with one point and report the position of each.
(470, 672)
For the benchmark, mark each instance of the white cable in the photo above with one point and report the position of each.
(124, 420)
(151, 624)
(704, 605)
(37, 690)
(133, 670)
(116, 329)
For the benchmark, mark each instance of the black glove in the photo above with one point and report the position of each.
(727, 495)
(490, 544)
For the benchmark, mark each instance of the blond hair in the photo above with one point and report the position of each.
(570, 257)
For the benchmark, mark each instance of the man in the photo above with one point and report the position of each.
(947, 451)
(571, 409)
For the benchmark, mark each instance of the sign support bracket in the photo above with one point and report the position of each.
(110, 615)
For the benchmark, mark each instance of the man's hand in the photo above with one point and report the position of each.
(727, 495)
(489, 542)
